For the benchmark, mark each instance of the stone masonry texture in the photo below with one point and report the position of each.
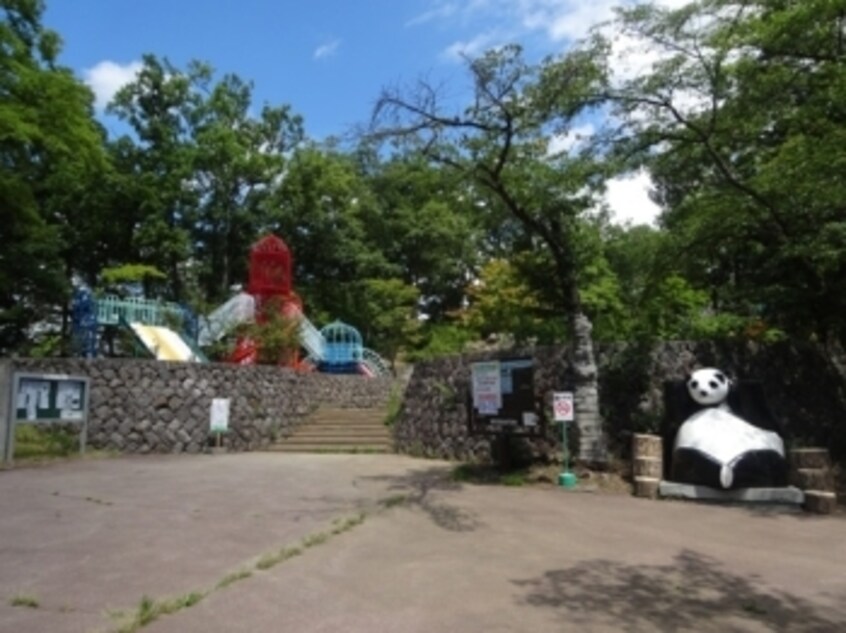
(805, 388)
(145, 406)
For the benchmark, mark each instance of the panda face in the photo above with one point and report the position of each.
(708, 386)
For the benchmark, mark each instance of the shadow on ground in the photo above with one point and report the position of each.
(417, 488)
(694, 593)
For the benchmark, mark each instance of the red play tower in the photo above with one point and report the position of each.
(271, 287)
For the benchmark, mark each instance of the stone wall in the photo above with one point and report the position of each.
(805, 389)
(144, 406)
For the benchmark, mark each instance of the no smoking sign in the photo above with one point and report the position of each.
(562, 406)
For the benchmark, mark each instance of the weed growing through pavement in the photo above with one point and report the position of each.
(24, 600)
(271, 560)
(232, 578)
(149, 609)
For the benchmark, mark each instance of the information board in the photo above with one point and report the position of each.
(45, 399)
(504, 399)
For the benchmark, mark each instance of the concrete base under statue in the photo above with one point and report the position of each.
(788, 495)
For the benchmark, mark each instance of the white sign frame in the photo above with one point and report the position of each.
(219, 415)
(563, 407)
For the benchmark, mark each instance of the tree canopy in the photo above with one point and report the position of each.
(482, 216)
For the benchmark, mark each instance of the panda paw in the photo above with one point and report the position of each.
(726, 476)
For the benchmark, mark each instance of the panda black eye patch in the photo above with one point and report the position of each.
(720, 377)
(693, 384)
(713, 384)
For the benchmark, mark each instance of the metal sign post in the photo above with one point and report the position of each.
(562, 405)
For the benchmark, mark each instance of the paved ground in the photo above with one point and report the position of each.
(89, 539)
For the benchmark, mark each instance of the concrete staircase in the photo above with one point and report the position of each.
(332, 430)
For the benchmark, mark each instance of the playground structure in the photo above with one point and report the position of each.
(149, 322)
(337, 348)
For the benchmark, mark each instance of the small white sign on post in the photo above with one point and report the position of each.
(562, 406)
(219, 415)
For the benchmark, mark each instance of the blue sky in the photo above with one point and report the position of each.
(328, 59)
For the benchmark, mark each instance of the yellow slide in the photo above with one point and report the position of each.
(164, 343)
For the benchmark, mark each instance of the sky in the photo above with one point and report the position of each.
(327, 59)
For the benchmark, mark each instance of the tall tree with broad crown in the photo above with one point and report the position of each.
(501, 144)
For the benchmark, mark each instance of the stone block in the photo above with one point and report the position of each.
(813, 479)
(650, 467)
(646, 487)
(801, 458)
(647, 446)
(820, 501)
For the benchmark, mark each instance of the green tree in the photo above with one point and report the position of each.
(51, 151)
(421, 223)
(501, 301)
(500, 144)
(159, 162)
(386, 315)
(197, 180)
(743, 123)
(319, 211)
(238, 160)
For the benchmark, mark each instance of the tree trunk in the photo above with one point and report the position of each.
(592, 444)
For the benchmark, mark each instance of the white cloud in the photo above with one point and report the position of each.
(438, 12)
(566, 142)
(107, 77)
(628, 199)
(559, 20)
(564, 19)
(326, 50)
(457, 51)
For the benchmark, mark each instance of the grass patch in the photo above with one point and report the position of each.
(24, 600)
(312, 540)
(517, 478)
(150, 610)
(344, 525)
(270, 560)
(394, 405)
(232, 578)
(37, 441)
(488, 474)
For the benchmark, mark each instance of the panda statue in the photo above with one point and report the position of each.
(716, 447)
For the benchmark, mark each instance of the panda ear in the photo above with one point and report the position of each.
(721, 377)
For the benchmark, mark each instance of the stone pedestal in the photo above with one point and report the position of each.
(788, 495)
(811, 472)
(647, 464)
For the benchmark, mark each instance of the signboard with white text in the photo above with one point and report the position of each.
(503, 398)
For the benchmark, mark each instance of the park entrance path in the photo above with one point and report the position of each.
(431, 555)
(92, 537)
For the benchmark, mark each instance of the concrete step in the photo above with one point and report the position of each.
(359, 426)
(340, 437)
(328, 448)
(330, 430)
(321, 432)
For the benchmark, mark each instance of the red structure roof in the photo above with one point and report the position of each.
(270, 269)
